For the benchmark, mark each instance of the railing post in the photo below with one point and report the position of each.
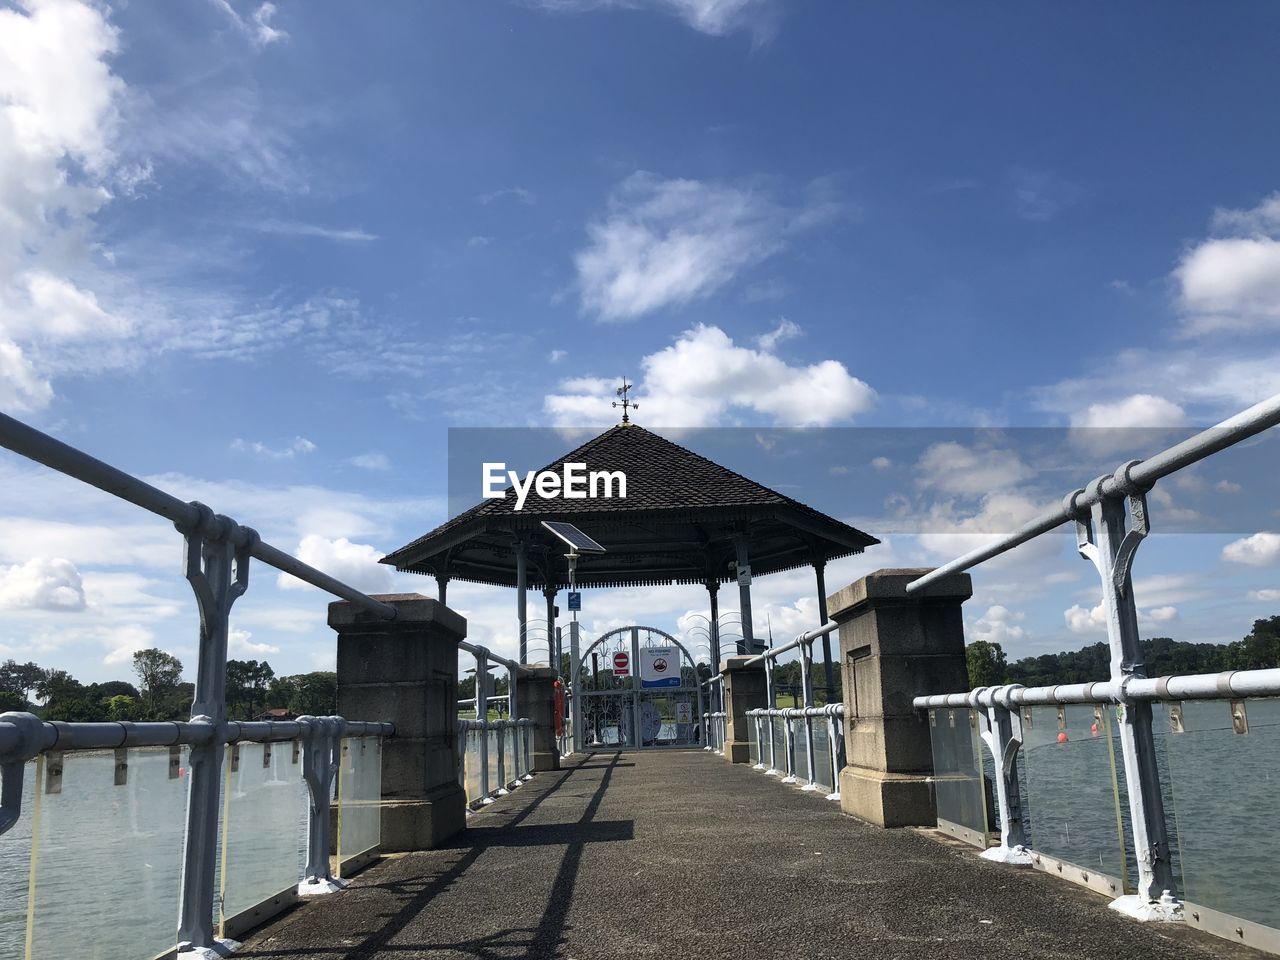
(218, 572)
(1001, 730)
(806, 664)
(743, 689)
(895, 646)
(405, 670)
(482, 715)
(789, 739)
(321, 753)
(835, 737)
(1109, 535)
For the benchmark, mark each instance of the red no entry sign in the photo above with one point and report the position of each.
(621, 664)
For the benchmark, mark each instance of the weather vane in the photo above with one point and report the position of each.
(625, 404)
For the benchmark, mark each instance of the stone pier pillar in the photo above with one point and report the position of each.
(538, 703)
(895, 647)
(744, 689)
(406, 671)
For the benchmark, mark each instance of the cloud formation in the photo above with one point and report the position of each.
(42, 584)
(705, 379)
(716, 18)
(666, 243)
(1231, 281)
(355, 564)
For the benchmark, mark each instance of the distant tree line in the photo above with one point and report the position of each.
(1259, 649)
(159, 693)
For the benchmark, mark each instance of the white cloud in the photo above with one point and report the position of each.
(705, 378)
(1259, 550)
(1265, 596)
(1138, 410)
(257, 27)
(999, 625)
(1094, 620)
(785, 330)
(287, 452)
(665, 243)
(714, 17)
(1231, 281)
(555, 356)
(371, 461)
(881, 464)
(241, 641)
(953, 468)
(59, 116)
(292, 228)
(123, 641)
(355, 564)
(42, 584)
(519, 194)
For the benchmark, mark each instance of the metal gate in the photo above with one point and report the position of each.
(636, 687)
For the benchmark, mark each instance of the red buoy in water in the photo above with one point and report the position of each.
(1062, 737)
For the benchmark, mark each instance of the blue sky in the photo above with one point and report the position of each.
(268, 254)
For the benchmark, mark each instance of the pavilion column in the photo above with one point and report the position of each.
(744, 593)
(713, 589)
(522, 601)
(442, 586)
(820, 574)
(549, 591)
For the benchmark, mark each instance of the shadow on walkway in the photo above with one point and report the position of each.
(679, 855)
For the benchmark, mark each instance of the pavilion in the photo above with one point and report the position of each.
(685, 520)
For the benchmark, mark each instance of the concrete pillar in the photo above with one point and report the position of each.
(895, 647)
(744, 689)
(406, 670)
(744, 593)
(538, 703)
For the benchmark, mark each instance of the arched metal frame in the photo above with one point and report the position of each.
(623, 631)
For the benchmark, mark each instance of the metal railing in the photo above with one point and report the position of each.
(1111, 520)
(218, 551)
(799, 724)
(508, 741)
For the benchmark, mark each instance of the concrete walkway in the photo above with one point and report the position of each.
(681, 856)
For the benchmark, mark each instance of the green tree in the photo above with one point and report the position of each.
(247, 685)
(122, 707)
(12, 702)
(159, 674)
(58, 685)
(987, 663)
(315, 694)
(20, 678)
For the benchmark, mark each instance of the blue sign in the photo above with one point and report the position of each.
(575, 600)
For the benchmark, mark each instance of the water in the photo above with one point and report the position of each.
(96, 840)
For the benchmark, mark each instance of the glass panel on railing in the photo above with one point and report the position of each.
(822, 754)
(104, 830)
(753, 739)
(15, 867)
(474, 769)
(802, 749)
(1072, 804)
(359, 797)
(958, 783)
(1226, 793)
(512, 766)
(264, 824)
(491, 738)
(777, 749)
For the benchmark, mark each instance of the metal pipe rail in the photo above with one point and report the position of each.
(42, 448)
(479, 651)
(1231, 685)
(1134, 476)
(804, 638)
(16, 741)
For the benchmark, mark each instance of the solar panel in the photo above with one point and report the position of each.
(574, 537)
